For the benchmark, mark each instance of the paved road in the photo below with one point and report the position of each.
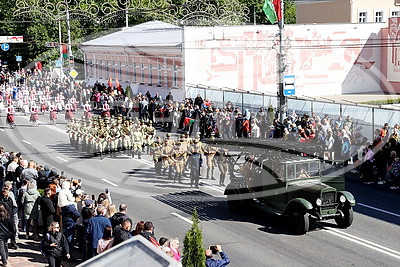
(251, 238)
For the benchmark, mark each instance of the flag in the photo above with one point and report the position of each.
(272, 9)
(117, 83)
(110, 82)
(188, 121)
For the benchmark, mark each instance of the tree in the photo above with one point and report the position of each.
(193, 252)
(257, 5)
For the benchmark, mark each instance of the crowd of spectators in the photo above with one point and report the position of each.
(50, 207)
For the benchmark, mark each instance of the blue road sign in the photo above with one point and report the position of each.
(58, 63)
(289, 87)
(5, 47)
(18, 58)
(288, 92)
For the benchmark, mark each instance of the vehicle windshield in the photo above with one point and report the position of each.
(302, 170)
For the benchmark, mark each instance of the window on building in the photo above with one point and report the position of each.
(395, 14)
(159, 75)
(120, 71)
(150, 74)
(379, 16)
(362, 17)
(89, 68)
(107, 75)
(100, 67)
(134, 72)
(175, 76)
(141, 72)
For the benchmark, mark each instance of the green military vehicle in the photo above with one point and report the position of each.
(287, 184)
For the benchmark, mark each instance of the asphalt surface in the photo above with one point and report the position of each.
(251, 238)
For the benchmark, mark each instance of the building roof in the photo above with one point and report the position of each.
(151, 33)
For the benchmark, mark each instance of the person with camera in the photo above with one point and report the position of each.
(211, 262)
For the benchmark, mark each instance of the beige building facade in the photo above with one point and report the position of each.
(347, 11)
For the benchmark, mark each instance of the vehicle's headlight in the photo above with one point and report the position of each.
(342, 198)
(318, 202)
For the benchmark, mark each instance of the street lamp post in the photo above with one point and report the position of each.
(281, 67)
(69, 47)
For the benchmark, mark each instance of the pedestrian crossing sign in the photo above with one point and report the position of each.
(73, 73)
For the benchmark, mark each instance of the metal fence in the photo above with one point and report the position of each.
(366, 118)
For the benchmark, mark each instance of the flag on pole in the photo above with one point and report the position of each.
(117, 83)
(273, 11)
(110, 82)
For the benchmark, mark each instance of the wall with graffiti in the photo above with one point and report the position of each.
(327, 59)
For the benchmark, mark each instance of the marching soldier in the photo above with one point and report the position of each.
(209, 153)
(34, 116)
(179, 161)
(106, 111)
(166, 153)
(87, 109)
(156, 147)
(195, 151)
(68, 112)
(10, 116)
(125, 137)
(53, 114)
(137, 141)
(222, 163)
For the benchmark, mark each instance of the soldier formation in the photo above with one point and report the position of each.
(109, 135)
(173, 158)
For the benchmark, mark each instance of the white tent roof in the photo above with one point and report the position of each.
(152, 33)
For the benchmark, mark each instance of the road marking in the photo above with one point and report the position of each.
(49, 126)
(213, 187)
(108, 182)
(2, 130)
(373, 208)
(363, 242)
(26, 142)
(145, 162)
(181, 217)
(62, 159)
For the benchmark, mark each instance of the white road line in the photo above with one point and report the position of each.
(2, 130)
(384, 211)
(181, 217)
(62, 159)
(50, 126)
(213, 187)
(363, 242)
(145, 162)
(26, 142)
(108, 182)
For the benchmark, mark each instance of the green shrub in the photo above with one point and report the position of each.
(193, 251)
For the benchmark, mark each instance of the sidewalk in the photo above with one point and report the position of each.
(27, 255)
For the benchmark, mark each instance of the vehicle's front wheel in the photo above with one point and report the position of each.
(299, 221)
(347, 219)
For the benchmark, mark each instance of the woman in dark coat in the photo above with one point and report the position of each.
(7, 230)
(47, 208)
(55, 245)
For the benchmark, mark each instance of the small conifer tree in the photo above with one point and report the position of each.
(193, 251)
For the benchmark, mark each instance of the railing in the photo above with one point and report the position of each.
(366, 119)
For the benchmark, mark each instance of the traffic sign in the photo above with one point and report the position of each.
(51, 44)
(11, 39)
(5, 47)
(73, 73)
(289, 85)
(18, 58)
(58, 63)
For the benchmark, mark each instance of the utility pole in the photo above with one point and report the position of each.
(60, 47)
(281, 67)
(69, 48)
